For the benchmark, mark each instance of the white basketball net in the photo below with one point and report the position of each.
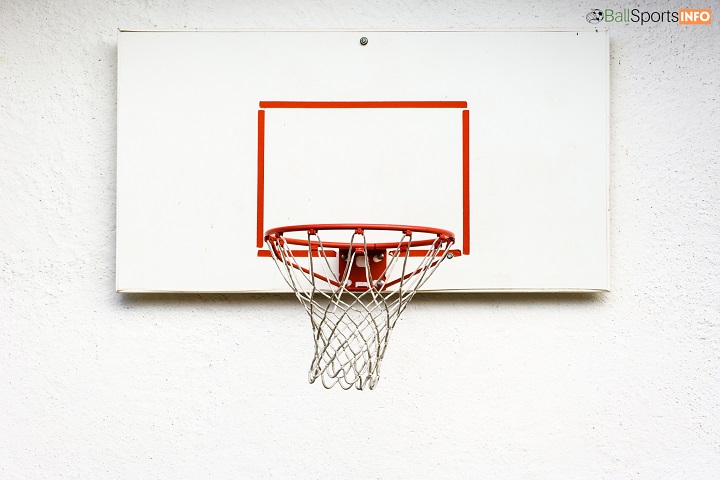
(351, 328)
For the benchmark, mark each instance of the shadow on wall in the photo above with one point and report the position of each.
(258, 299)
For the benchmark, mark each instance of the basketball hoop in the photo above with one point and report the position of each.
(354, 289)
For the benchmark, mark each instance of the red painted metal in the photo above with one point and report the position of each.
(367, 104)
(466, 181)
(376, 261)
(358, 274)
(261, 178)
(299, 253)
(373, 104)
(446, 234)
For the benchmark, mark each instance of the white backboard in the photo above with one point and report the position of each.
(500, 137)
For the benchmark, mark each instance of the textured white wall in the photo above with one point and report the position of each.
(95, 384)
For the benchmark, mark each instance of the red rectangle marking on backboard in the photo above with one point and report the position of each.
(366, 104)
(299, 253)
(261, 178)
(466, 181)
(393, 104)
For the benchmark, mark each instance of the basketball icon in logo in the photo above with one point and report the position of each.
(595, 16)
